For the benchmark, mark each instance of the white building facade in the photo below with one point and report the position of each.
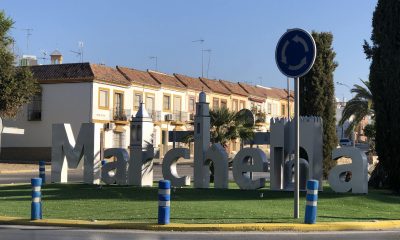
(79, 93)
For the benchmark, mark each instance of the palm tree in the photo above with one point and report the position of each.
(358, 107)
(228, 125)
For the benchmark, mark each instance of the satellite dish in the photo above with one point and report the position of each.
(247, 116)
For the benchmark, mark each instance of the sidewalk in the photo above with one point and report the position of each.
(10, 168)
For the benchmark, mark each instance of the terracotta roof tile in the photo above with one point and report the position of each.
(62, 71)
(138, 77)
(215, 86)
(276, 93)
(77, 72)
(166, 79)
(192, 83)
(108, 74)
(253, 90)
(269, 92)
(234, 88)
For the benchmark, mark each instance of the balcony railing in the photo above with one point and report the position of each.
(260, 118)
(180, 116)
(155, 115)
(121, 114)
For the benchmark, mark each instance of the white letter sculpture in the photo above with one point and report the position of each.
(282, 146)
(241, 167)
(140, 170)
(66, 154)
(358, 168)
(201, 141)
(217, 154)
(169, 167)
(119, 165)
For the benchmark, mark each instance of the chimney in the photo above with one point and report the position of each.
(56, 57)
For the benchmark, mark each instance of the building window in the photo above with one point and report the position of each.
(283, 109)
(192, 103)
(150, 104)
(35, 108)
(119, 113)
(224, 103)
(242, 105)
(269, 108)
(137, 99)
(235, 106)
(104, 98)
(215, 103)
(167, 103)
(177, 103)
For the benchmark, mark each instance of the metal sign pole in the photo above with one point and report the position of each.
(296, 147)
(295, 63)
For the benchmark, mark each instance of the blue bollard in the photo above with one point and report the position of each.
(36, 206)
(311, 205)
(42, 171)
(164, 197)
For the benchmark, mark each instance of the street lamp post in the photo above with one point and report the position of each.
(353, 135)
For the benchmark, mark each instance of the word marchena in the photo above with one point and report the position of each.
(136, 167)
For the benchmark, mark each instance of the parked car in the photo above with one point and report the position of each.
(345, 142)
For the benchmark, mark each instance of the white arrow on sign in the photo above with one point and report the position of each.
(298, 66)
(301, 40)
(283, 56)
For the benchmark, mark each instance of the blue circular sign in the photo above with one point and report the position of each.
(295, 53)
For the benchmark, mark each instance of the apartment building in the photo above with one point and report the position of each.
(78, 93)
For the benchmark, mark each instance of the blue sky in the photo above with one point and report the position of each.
(241, 34)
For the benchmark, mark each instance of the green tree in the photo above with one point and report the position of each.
(17, 85)
(317, 94)
(360, 106)
(228, 125)
(370, 133)
(385, 88)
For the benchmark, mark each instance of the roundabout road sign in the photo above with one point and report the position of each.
(295, 53)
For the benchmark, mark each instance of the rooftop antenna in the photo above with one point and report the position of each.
(79, 53)
(28, 34)
(201, 41)
(209, 59)
(154, 57)
(260, 80)
(44, 58)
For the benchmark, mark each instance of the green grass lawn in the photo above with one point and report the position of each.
(188, 205)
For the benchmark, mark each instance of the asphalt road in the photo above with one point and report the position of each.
(52, 233)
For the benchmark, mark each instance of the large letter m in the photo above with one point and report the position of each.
(65, 153)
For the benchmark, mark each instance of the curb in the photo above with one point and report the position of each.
(18, 171)
(328, 226)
